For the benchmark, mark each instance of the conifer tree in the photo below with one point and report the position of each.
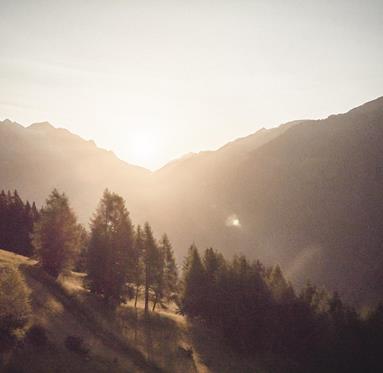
(83, 244)
(16, 223)
(170, 269)
(3, 220)
(138, 264)
(281, 289)
(158, 276)
(194, 281)
(110, 248)
(150, 256)
(56, 234)
(165, 274)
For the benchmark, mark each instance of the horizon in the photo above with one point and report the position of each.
(155, 82)
(183, 154)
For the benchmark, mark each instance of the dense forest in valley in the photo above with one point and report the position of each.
(250, 307)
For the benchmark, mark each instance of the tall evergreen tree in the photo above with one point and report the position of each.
(110, 248)
(150, 256)
(193, 283)
(165, 276)
(281, 289)
(158, 276)
(138, 262)
(3, 220)
(56, 234)
(212, 261)
(170, 269)
(16, 223)
(81, 262)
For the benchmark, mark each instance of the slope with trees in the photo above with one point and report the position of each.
(306, 195)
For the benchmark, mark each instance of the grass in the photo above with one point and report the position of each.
(62, 313)
(121, 340)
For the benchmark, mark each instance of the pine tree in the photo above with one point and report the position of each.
(212, 262)
(158, 276)
(194, 282)
(56, 234)
(170, 269)
(16, 223)
(110, 248)
(281, 289)
(138, 265)
(150, 256)
(3, 220)
(83, 244)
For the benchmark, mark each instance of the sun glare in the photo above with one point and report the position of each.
(236, 222)
(144, 149)
(233, 221)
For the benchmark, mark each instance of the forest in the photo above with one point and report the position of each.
(252, 306)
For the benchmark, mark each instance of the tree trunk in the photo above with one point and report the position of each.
(154, 304)
(147, 289)
(135, 301)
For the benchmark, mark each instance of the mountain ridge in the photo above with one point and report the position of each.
(306, 194)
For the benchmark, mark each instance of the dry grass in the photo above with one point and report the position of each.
(121, 340)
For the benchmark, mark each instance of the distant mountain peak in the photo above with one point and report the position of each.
(10, 124)
(41, 126)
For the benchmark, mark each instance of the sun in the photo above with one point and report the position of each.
(144, 149)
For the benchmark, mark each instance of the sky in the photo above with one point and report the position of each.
(153, 80)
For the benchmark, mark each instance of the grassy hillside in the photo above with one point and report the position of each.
(118, 341)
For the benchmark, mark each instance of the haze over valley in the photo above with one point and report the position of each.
(306, 194)
(191, 186)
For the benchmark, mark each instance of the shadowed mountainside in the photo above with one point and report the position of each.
(38, 158)
(308, 194)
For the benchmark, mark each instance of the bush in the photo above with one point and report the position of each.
(14, 300)
(76, 344)
(37, 336)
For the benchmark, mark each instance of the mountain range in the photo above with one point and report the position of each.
(307, 194)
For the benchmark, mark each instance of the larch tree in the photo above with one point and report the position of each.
(170, 271)
(110, 249)
(138, 264)
(56, 234)
(150, 256)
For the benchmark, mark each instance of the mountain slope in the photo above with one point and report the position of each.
(310, 198)
(38, 158)
(308, 194)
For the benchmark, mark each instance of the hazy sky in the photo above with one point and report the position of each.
(153, 80)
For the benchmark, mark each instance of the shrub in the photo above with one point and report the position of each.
(14, 300)
(37, 336)
(76, 344)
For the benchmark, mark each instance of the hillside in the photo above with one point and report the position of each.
(38, 158)
(309, 197)
(118, 341)
(307, 194)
